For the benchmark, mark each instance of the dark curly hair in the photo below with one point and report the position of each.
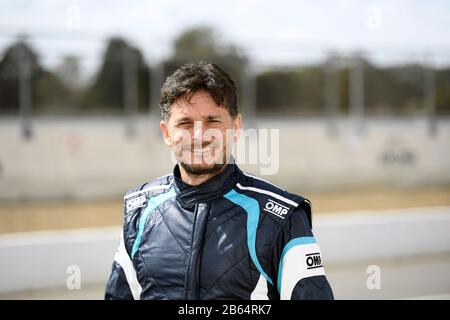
(196, 76)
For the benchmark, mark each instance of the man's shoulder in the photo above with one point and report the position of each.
(150, 188)
(274, 200)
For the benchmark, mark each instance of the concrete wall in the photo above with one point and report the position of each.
(37, 260)
(93, 158)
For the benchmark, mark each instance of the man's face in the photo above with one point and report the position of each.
(200, 133)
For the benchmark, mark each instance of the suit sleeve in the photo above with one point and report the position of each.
(117, 287)
(123, 283)
(296, 260)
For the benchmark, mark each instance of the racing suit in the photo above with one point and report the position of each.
(234, 236)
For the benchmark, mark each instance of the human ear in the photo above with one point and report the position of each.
(165, 131)
(237, 126)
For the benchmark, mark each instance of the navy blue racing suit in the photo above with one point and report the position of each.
(234, 236)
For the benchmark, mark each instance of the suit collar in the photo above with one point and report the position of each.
(213, 188)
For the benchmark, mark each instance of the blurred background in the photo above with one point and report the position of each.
(360, 91)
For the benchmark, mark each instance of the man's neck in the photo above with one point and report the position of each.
(195, 179)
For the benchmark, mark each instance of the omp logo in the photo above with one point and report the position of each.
(313, 261)
(276, 208)
(136, 203)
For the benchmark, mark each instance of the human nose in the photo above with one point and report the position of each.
(198, 131)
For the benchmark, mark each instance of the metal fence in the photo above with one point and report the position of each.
(340, 75)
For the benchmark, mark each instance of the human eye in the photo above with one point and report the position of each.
(214, 121)
(184, 124)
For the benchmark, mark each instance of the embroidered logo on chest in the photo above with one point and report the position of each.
(135, 203)
(276, 208)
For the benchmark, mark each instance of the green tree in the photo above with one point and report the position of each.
(443, 92)
(298, 90)
(204, 43)
(394, 90)
(20, 60)
(107, 92)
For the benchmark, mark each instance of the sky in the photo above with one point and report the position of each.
(280, 32)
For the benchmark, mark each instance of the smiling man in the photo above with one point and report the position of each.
(209, 230)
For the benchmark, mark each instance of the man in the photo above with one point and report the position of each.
(208, 230)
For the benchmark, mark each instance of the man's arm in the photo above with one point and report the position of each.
(117, 287)
(123, 283)
(297, 261)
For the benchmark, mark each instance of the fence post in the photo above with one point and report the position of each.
(249, 95)
(24, 66)
(430, 95)
(157, 75)
(331, 92)
(357, 92)
(130, 89)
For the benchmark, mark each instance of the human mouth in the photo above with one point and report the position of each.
(207, 149)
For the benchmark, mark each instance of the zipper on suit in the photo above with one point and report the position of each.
(187, 281)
